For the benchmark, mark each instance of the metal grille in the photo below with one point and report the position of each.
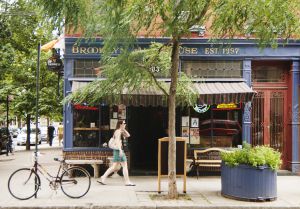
(277, 120)
(257, 130)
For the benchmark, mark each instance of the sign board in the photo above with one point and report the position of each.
(54, 63)
(181, 152)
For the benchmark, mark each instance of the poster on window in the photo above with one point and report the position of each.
(195, 122)
(185, 132)
(185, 121)
(122, 112)
(194, 136)
(113, 123)
(115, 114)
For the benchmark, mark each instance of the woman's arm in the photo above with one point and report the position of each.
(125, 133)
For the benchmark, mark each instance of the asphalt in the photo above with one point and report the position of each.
(203, 192)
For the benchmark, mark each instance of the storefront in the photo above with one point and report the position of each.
(226, 79)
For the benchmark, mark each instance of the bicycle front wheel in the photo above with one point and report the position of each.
(75, 182)
(23, 183)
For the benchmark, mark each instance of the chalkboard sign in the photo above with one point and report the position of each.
(181, 152)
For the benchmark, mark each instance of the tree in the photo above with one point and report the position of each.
(121, 22)
(21, 31)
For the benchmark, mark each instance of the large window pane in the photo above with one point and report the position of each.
(86, 126)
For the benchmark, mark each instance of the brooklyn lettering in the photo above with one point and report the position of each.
(86, 50)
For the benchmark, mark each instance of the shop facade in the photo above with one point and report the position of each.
(244, 94)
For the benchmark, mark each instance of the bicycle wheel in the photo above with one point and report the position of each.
(75, 182)
(23, 183)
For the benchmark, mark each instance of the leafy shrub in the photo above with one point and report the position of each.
(254, 156)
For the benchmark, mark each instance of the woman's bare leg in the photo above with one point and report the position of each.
(125, 172)
(109, 171)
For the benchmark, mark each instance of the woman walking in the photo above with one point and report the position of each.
(118, 155)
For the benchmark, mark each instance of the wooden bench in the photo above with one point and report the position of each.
(94, 163)
(210, 157)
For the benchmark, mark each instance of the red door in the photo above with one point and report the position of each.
(269, 118)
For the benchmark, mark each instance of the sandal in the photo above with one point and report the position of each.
(100, 182)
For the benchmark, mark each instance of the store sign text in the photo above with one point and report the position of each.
(182, 50)
(223, 51)
(226, 106)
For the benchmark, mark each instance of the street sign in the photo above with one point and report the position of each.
(54, 63)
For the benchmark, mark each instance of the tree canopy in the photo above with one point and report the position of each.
(22, 29)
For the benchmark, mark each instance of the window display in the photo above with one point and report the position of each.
(86, 126)
(220, 126)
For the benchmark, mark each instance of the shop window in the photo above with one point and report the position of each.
(217, 127)
(86, 126)
(213, 69)
(87, 68)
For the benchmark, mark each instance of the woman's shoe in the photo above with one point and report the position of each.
(130, 184)
(101, 182)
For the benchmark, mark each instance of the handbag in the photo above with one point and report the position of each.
(112, 143)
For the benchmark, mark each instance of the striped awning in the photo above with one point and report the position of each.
(209, 93)
(217, 92)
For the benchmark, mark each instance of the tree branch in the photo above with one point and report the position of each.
(200, 16)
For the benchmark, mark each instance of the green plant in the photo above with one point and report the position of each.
(254, 156)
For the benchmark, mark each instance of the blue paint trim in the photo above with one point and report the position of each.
(68, 115)
(246, 134)
(295, 115)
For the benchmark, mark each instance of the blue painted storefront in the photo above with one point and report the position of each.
(198, 49)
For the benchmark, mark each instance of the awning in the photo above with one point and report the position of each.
(209, 93)
(217, 92)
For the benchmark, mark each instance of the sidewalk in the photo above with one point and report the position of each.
(204, 192)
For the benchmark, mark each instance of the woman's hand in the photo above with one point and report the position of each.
(121, 153)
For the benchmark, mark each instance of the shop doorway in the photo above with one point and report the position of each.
(269, 118)
(146, 126)
(269, 106)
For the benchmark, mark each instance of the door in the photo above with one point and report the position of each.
(269, 118)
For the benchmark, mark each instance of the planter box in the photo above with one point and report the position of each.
(249, 183)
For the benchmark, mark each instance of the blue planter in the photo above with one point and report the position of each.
(249, 183)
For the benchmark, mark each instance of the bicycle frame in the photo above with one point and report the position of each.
(43, 171)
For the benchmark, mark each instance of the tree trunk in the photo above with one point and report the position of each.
(173, 193)
(28, 132)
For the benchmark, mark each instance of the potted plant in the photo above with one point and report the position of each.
(250, 173)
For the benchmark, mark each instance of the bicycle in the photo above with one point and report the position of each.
(74, 181)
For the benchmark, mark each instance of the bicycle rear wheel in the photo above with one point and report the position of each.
(75, 182)
(23, 183)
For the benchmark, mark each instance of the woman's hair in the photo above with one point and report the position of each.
(119, 123)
